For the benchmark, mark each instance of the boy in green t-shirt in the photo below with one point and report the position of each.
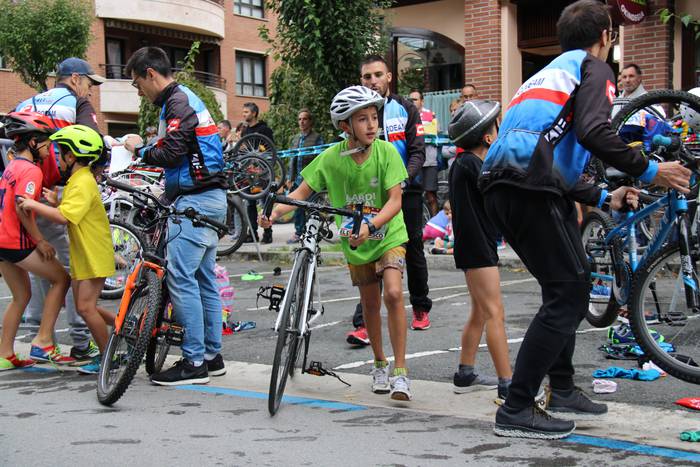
(362, 169)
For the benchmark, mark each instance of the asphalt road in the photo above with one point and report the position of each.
(230, 424)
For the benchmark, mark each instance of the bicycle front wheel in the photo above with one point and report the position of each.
(158, 346)
(125, 349)
(237, 223)
(289, 333)
(663, 325)
(251, 177)
(128, 248)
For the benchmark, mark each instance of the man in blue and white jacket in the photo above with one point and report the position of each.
(530, 180)
(189, 149)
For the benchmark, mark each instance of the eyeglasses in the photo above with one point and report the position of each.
(414, 99)
(134, 82)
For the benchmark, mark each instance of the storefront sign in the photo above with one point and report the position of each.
(628, 11)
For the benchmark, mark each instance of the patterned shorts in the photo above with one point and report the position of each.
(370, 273)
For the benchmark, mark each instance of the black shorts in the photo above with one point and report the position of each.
(15, 256)
(430, 178)
(475, 246)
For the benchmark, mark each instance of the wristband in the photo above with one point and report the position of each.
(372, 228)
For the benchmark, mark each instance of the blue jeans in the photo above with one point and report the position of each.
(191, 279)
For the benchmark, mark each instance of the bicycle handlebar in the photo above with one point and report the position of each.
(189, 212)
(356, 213)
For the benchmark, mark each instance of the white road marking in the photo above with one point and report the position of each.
(325, 325)
(56, 331)
(427, 353)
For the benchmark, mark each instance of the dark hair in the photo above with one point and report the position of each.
(371, 58)
(581, 24)
(635, 66)
(149, 57)
(420, 93)
(21, 141)
(226, 123)
(253, 107)
(306, 111)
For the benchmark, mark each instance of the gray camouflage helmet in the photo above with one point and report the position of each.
(471, 120)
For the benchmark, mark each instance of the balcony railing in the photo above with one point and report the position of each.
(208, 79)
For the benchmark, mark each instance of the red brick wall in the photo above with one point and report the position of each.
(650, 45)
(482, 47)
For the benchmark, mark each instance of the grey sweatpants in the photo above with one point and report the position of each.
(57, 236)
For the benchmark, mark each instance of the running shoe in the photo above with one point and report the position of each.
(85, 354)
(14, 361)
(400, 388)
(622, 334)
(421, 320)
(49, 354)
(576, 402)
(472, 382)
(358, 337)
(182, 372)
(91, 368)
(216, 366)
(380, 380)
(600, 292)
(531, 422)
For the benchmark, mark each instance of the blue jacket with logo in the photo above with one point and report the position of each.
(188, 144)
(401, 125)
(555, 121)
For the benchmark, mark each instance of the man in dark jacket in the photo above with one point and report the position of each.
(250, 114)
(400, 124)
(530, 180)
(306, 138)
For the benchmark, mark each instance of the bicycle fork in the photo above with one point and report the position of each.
(687, 264)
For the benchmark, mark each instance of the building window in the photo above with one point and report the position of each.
(2, 62)
(252, 8)
(115, 59)
(250, 75)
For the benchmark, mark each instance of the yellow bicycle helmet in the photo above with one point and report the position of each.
(82, 140)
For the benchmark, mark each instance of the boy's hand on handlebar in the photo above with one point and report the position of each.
(623, 197)
(673, 175)
(359, 239)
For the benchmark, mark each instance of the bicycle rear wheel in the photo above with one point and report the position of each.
(237, 223)
(251, 177)
(606, 296)
(289, 337)
(125, 349)
(128, 248)
(659, 295)
(262, 146)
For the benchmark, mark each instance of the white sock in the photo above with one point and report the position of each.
(210, 356)
(197, 363)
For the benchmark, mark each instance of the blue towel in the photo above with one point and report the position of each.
(617, 372)
(665, 346)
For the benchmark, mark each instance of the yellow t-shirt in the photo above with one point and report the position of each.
(90, 240)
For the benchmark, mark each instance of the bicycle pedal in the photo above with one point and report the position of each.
(175, 334)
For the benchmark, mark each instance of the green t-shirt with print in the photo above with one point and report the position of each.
(348, 183)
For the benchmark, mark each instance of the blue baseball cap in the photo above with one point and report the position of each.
(77, 65)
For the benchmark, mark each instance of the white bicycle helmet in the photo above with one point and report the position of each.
(350, 100)
(691, 117)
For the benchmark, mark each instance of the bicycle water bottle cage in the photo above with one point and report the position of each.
(272, 293)
(316, 369)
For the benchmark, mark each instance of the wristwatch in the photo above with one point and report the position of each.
(372, 228)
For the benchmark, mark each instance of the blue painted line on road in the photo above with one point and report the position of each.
(633, 447)
(285, 399)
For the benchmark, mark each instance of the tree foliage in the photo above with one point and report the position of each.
(320, 44)
(36, 35)
(149, 113)
(686, 20)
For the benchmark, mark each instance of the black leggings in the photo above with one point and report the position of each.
(543, 230)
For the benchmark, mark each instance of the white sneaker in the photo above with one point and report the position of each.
(401, 388)
(380, 380)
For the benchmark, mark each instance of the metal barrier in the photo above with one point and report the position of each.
(439, 141)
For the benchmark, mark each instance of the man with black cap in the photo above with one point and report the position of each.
(67, 104)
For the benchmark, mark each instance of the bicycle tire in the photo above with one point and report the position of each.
(262, 146)
(158, 346)
(605, 315)
(237, 222)
(251, 178)
(288, 337)
(146, 294)
(673, 334)
(114, 286)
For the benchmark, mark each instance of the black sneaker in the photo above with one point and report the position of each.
(267, 236)
(182, 372)
(575, 402)
(472, 382)
(85, 355)
(531, 422)
(216, 366)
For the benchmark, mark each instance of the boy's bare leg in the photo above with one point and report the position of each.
(370, 297)
(471, 334)
(17, 280)
(484, 286)
(86, 293)
(54, 272)
(393, 299)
